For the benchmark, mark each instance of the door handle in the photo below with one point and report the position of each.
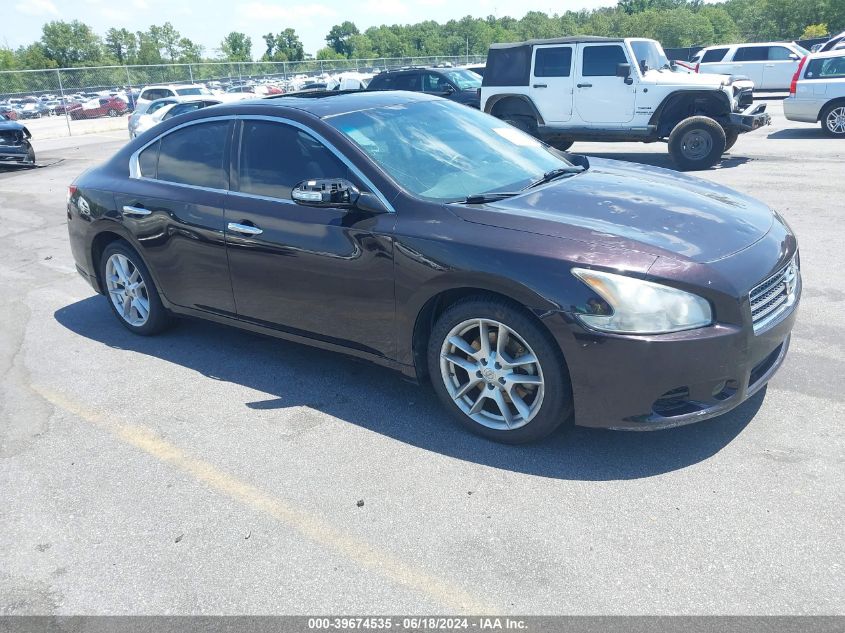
(137, 212)
(540, 86)
(585, 85)
(246, 229)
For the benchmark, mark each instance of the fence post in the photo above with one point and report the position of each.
(129, 87)
(64, 103)
(191, 73)
(240, 76)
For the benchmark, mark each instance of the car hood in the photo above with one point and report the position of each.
(635, 207)
(697, 80)
(11, 125)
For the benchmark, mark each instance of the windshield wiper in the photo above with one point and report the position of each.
(556, 173)
(481, 198)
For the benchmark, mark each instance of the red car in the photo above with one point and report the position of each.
(108, 106)
(9, 112)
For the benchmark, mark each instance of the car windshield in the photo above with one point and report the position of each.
(463, 79)
(192, 91)
(443, 151)
(649, 55)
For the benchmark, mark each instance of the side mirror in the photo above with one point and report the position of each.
(794, 56)
(448, 89)
(325, 192)
(623, 70)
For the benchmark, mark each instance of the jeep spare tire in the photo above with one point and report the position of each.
(697, 143)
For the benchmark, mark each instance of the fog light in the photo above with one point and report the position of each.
(719, 388)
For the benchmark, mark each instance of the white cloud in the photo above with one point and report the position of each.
(37, 7)
(261, 11)
(140, 4)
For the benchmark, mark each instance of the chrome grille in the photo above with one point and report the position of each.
(774, 296)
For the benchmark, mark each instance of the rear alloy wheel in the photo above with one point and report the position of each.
(113, 112)
(697, 143)
(498, 371)
(833, 120)
(131, 292)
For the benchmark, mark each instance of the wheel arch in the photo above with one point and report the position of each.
(101, 240)
(442, 299)
(683, 104)
(831, 103)
(519, 104)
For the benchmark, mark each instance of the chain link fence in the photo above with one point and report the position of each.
(64, 89)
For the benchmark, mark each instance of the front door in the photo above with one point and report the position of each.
(778, 71)
(551, 82)
(324, 273)
(601, 96)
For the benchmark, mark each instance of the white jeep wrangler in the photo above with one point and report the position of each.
(605, 89)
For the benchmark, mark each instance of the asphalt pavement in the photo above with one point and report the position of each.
(214, 471)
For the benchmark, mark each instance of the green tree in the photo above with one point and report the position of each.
(237, 47)
(286, 46)
(329, 53)
(189, 52)
(812, 31)
(122, 45)
(71, 43)
(338, 37)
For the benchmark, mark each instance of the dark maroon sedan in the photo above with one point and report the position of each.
(532, 290)
(104, 106)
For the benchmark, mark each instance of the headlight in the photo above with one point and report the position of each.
(642, 307)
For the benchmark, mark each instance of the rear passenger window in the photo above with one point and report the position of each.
(276, 157)
(148, 159)
(195, 155)
(601, 61)
(714, 55)
(553, 62)
(408, 81)
(752, 54)
(830, 68)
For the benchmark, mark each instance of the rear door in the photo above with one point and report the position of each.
(750, 61)
(601, 96)
(173, 205)
(781, 66)
(552, 80)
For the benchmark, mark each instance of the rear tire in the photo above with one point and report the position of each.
(696, 143)
(521, 369)
(521, 122)
(113, 112)
(833, 120)
(130, 290)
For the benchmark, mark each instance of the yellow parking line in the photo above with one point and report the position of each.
(308, 525)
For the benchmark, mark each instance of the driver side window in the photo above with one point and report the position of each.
(275, 157)
(434, 83)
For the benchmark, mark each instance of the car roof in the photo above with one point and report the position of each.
(836, 52)
(324, 104)
(749, 44)
(577, 39)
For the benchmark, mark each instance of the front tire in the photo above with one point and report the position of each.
(498, 371)
(833, 120)
(731, 137)
(697, 143)
(524, 123)
(113, 112)
(130, 290)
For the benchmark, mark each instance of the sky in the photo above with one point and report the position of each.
(208, 21)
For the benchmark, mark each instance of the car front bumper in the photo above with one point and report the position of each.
(645, 383)
(752, 118)
(15, 154)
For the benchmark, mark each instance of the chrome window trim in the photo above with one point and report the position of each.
(135, 172)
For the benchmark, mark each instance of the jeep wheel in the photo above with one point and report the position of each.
(696, 143)
(730, 138)
(560, 143)
(524, 123)
(833, 120)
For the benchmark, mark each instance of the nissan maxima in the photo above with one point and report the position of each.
(532, 288)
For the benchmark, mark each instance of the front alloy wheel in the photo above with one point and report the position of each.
(492, 374)
(499, 371)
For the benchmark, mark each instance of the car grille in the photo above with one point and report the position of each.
(774, 296)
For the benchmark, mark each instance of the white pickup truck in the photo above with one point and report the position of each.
(612, 89)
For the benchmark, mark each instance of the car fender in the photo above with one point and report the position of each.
(663, 118)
